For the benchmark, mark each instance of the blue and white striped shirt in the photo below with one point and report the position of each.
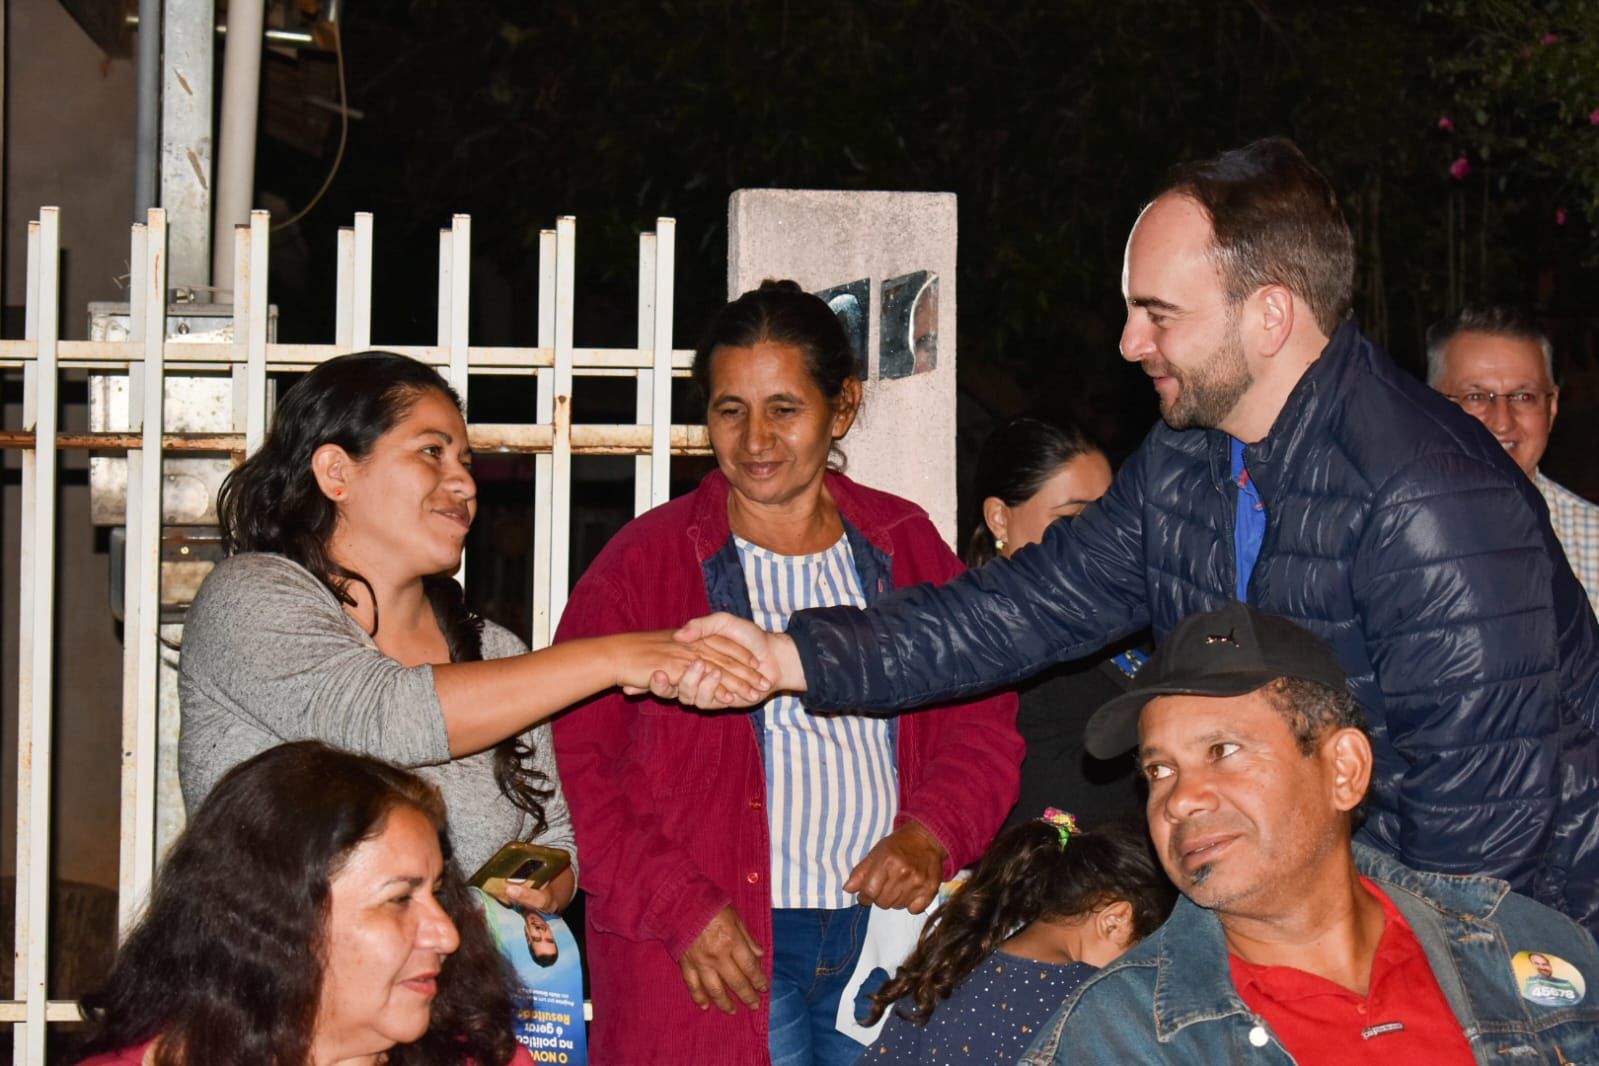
(831, 780)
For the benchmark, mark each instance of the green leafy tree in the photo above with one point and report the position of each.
(1052, 120)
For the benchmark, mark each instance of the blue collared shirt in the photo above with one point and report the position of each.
(1249, 527)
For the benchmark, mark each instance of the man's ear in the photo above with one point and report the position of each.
(1349, 754)
(996, 516)
(1272, 309)
(332, 465)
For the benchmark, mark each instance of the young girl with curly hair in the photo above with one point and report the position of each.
(1047, 905)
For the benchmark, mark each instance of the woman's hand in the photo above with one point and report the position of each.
(551, 898)
(718, 670)
(774, 654)
(724, 958)
(901, 870)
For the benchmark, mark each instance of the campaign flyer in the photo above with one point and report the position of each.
(549, 1002)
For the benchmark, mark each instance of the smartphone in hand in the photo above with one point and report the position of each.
(520, 863)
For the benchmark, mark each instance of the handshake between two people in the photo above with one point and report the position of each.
(715, 662)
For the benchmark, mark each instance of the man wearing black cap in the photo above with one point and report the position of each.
(1290, 941)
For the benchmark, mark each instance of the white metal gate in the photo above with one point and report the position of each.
(149, 358)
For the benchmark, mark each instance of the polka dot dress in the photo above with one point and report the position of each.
(992, 1016)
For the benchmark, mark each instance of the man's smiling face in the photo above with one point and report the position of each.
(1182, 328)
(1512, 371)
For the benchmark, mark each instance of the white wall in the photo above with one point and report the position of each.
(904, 441)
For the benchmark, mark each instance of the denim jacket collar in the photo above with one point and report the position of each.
(1194, 984)
(1190, 985)
(1452, 896)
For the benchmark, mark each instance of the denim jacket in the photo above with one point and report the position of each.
(1171, 999)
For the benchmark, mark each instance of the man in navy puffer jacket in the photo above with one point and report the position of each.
(1300, 470)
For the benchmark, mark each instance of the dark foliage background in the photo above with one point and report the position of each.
(1463, 134)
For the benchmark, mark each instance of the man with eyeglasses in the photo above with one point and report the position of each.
(1499, 367)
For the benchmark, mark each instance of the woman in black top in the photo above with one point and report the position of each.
(1031, 474)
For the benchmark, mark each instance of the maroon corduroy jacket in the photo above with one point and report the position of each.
(669, 803)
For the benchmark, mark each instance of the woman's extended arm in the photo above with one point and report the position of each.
(269, 656)
(485, 702)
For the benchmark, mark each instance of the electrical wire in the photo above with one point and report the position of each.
(344, 134)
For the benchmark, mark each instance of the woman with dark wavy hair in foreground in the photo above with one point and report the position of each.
(1046, 906)
(308, 916)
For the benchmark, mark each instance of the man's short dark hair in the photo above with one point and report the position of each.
(1274, 221)
(1497, 321)
(1313, 710)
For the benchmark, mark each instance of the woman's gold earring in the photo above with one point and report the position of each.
(999, 544)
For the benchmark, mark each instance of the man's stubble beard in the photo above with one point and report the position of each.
(1208, 393)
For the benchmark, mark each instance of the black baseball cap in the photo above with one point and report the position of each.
(1218, 653)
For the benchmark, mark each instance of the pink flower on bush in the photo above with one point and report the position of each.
(1460, 168)
(1446, 123)
(1550, 38)
(1593, 117)
(1560, 216)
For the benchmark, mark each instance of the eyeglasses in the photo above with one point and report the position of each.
(1478, 402)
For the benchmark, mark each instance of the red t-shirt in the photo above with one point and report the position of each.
(1403, 1017)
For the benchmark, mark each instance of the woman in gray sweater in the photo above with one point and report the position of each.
(335, 618)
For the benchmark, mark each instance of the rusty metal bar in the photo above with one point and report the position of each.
(514, 438)
(207, 355)
(122, 442)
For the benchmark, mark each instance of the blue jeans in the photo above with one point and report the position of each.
(814, 953)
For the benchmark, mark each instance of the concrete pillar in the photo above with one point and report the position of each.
(886, 262)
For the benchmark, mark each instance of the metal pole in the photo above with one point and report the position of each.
(147, 139)
(188, 40)
(241, 94)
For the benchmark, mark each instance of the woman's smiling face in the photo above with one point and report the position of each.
(771, 426)
(411, 500)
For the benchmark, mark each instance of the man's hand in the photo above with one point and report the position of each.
(774, 654)
(724, 958)
(902, 870)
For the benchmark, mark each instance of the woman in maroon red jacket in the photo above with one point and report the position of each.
(733, 857)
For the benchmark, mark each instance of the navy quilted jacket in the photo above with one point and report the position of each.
(1398, 530)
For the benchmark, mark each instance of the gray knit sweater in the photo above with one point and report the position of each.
(270, 656)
